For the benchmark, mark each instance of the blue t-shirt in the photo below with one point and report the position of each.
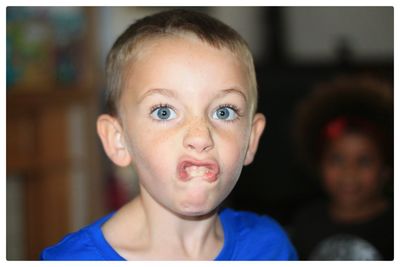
(247, 236)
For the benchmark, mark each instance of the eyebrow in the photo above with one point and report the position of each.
(170, 93)
(161, 91)
(232, 91)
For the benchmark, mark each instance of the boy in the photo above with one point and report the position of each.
(182, 100)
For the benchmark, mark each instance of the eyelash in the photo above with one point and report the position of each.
(235, 108)
(161, 105)
(153, 108)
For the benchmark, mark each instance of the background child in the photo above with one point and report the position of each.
(182, 98)
(345, 130)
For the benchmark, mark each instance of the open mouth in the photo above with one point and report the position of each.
(192, 169)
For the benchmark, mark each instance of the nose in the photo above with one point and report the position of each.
(350, 172)
(198, 137)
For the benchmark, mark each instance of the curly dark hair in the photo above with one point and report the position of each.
(361, 96)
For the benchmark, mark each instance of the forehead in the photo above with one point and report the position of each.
(181, 61)
(355, 143)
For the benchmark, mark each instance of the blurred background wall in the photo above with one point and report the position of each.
(58, 178)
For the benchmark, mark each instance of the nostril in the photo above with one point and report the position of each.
(199, 142)
(191, 146)
(199, 145)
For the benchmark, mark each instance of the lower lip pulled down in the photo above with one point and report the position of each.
(206, 172)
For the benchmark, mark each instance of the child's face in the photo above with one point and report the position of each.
(352, 170)
(187, 128)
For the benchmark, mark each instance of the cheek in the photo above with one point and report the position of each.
(231, 149)
(151, 149)
(371, 178)
(232, 143)
(149, 135)
(330, 175)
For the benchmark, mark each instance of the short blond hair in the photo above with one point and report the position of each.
(171, 23)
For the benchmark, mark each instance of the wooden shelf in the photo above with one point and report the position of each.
(44, 125)
(34, 98)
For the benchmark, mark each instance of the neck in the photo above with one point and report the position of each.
(357, 213)
(172, 236)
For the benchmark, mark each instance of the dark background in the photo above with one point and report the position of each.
(277, 183)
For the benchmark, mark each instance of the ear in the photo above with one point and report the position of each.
(257, 129)
(112, 138)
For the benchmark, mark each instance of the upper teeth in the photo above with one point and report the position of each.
(196, 171)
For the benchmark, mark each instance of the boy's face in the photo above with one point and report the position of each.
(352, 170)
(186, 124)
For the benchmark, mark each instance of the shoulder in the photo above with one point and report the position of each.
(260, 235)
(249, 223)
(80, 245)
(74, 246)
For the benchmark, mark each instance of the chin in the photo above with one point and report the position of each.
(197, 214)
(196, 209)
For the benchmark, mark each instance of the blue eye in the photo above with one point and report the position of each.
(163, 113)
(225, 113)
